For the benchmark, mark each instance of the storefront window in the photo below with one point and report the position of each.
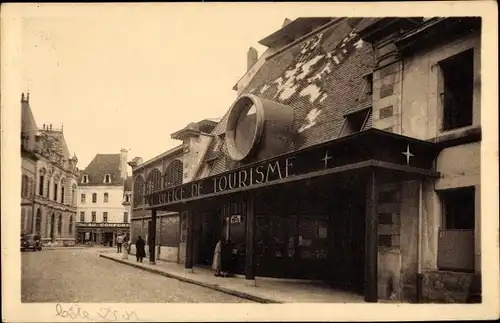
(312, 239)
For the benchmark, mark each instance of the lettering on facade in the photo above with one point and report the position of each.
(267, 172)
(364, 147)
(102, 225)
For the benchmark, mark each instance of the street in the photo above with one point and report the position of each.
(79, 275)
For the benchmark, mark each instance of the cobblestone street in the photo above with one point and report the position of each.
(79, 275)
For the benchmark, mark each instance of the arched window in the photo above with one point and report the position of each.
(30, 187)
(59, 225)
(41, 183)
(62, 194)
(173, 174)
(38, 222)
(153, 183)
(138, 190)
(70, 227)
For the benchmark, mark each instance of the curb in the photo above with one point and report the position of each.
(63, 248)
(216, 287)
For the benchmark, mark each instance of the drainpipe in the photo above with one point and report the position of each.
(419, 245)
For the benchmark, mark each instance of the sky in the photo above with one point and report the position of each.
(127, 78)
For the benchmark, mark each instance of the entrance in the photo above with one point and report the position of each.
(108, 239)
(210, 232)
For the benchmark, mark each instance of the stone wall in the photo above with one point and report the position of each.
(450, 287)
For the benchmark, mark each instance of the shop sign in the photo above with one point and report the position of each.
(102, 225)
(363, 146)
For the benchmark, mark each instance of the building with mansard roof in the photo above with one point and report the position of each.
(49, 177)
(103, 200)
(350, 156)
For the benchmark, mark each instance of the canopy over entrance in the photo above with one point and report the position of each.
(394, 156)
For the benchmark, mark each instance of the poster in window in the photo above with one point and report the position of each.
(323, 233)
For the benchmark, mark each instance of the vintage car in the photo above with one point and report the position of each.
(31, 242)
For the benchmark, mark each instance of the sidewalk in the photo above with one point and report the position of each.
(266, 291)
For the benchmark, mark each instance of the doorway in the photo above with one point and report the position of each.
(210, 232)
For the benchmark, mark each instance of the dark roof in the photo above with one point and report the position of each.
(293, 30)
(320, 77)
(101, 165)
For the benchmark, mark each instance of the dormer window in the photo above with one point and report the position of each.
(85, 179)
(107, 178)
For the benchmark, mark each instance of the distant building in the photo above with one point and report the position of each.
(103, 199)
(171, 168)
(49, 177)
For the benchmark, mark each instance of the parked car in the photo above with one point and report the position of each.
(31, 242)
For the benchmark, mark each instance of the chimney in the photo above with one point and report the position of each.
(51, 127)
(286, 22)
(44, 126)
(123, 163)
(22, 97)
(252, 57)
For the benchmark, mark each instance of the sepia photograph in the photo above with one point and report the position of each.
(247, 154)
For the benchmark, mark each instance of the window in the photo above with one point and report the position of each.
(59, 225)
(173, 174)
(125, 217)
(93, 216)
(40, 185)
(55, 191)
(355, 122)
(456, 236)
(107, 178)
(82, 198)
(94, 197)
(23, 185)
(82, 216)
(70, 227)
(138, 190)
(153, 181)
(458, 208)
(38, 222)
(457, 90)
(85, 179)
(30, 187)
(104, 216)
(106, 196)
(127, 198)
(47, 191)
(62, 194)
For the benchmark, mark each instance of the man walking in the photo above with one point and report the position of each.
(119, 242)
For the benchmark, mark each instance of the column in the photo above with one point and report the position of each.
(152, 234)
(188, 264)
(250, 240)
(371, 243)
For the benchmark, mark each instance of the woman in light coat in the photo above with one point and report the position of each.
(216, 263)
(125, 249)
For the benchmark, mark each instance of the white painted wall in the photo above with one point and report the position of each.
(114, 206)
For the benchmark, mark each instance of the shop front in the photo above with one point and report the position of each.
(310, 214)
(100, 233)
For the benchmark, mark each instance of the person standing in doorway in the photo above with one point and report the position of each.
(119, 242)
(216, 262)
(140, 252)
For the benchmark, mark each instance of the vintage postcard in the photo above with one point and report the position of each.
(249, 161)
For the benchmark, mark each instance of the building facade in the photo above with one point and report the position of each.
(49, 177)
(351, 156)
(103, 200)
(169, 169)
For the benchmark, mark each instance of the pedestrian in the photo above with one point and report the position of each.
(125, 249)
(140, 251)
(216, 262)
(119, 242)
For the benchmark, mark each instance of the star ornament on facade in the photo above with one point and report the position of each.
(326, 159)
(408, 154)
